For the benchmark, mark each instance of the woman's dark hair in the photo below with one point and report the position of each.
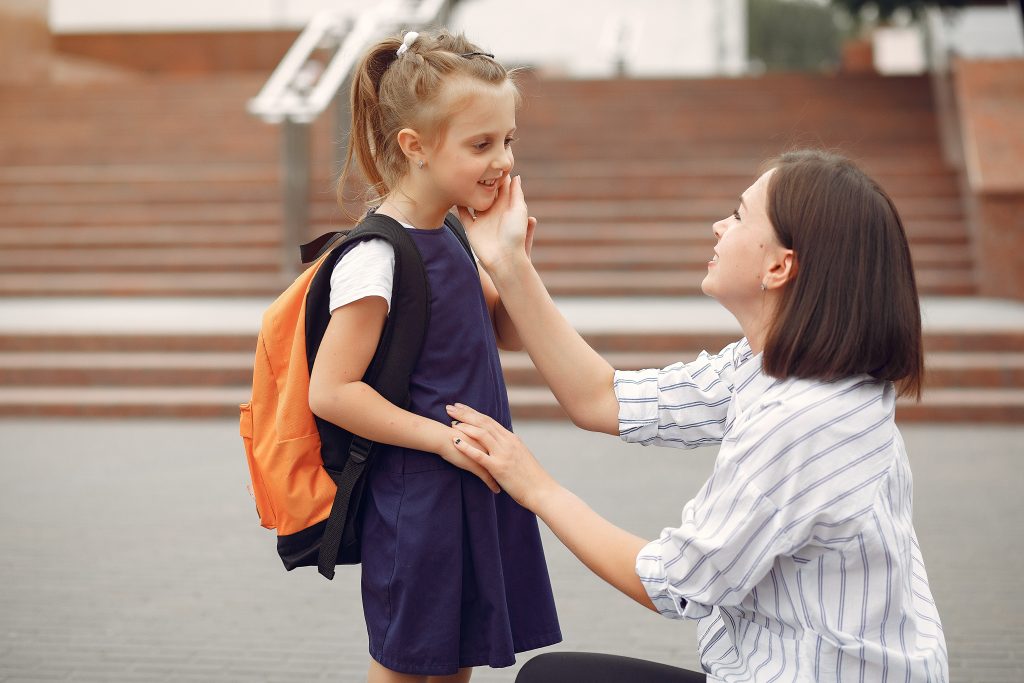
(852, 307)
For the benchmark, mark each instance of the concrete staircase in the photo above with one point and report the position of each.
(166, 188)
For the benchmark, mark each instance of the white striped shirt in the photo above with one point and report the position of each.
(798, 556)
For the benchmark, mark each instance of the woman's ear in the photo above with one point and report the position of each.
(783, 270)
(412, 145)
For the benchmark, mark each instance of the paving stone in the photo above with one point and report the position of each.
(132, 553)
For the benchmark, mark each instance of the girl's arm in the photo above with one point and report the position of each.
(580, 379)
(607, 550)
(338, 394)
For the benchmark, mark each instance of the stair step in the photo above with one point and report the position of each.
(138, 236)
(943, 370)
(536, 403)
(211, 368)
(946, 348)
(629, 257)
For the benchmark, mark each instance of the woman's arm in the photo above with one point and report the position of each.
(607, 550)
(338, 394)
(580, 379)
(505, 332)
(504, 328)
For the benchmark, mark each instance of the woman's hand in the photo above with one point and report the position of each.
(607, 550)
(503, 230)
(501, 452)
(451, 453)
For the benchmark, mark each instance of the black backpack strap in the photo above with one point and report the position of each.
(311, 251)
(393, 361)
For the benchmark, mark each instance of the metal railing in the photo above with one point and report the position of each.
(314, 73)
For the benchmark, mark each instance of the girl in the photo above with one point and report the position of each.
(798, 556)
(453, 573)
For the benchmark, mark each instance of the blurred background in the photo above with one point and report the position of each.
(160, 161)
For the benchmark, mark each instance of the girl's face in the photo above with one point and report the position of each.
(747, 254)
(465, 167)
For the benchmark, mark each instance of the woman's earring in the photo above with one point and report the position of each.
(764, 287)
(419, 164)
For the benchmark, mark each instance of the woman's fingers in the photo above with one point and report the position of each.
(467, 448)
(481, 436)
(480, 471)
(465, 217)
(464, 413)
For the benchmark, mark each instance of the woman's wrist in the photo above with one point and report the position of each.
(546, 497)
(509, 269)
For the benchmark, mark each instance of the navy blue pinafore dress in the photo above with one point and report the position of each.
(452, 575)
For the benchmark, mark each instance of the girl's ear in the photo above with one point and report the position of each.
(783, 270)
(411, 144)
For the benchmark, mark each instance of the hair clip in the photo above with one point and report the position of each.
(467, 55)
(408, 40)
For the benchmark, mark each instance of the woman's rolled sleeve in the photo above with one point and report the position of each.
(668, 601)
(684, 405)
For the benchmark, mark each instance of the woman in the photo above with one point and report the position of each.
(798, 556)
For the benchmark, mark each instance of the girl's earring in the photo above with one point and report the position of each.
(419, 164)
(764, 287)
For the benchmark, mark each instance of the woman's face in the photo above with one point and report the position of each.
(747, 253)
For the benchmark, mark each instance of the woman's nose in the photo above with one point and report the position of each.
(718, 228)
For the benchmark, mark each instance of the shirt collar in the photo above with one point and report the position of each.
(750, 381)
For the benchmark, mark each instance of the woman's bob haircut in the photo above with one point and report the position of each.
(852, 307)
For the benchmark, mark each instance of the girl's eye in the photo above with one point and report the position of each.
(481, 146)
(509, 141)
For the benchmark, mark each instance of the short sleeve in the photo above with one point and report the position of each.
(684, 405)
(367, 269)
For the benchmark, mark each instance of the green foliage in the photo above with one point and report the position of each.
(793, 35)
(884, 9)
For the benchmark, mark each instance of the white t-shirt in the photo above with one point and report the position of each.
(367, 269)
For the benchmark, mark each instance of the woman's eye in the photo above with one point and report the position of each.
(736, 214)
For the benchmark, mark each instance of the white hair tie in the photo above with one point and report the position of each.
(408, 40)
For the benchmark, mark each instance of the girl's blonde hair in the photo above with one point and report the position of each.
(390, 93)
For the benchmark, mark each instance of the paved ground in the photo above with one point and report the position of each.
(131, 552)
(606, 314)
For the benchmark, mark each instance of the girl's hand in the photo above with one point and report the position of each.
(503, 230)
(450, 452)
(490, 445)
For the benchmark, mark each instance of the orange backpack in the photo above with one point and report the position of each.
(308, 474)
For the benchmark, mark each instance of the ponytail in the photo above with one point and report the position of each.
(367, 133)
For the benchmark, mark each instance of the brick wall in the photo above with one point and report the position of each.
(181, 52)
(990, 100)
(24, 41)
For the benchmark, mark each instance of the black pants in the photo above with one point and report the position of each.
(585, 667)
